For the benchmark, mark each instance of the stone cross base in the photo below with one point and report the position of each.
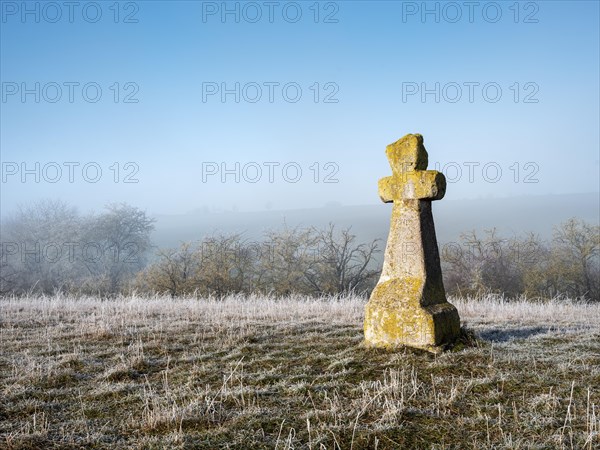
(394, 325)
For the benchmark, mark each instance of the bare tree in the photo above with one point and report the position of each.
(116, 244)
(225, 265)
(174, 271)
(475, 264)
(341, 266)
(284, 259)
(576, 253)
(39, 247)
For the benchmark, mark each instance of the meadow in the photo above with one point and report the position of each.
(264, 372)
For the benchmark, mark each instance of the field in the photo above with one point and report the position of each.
(256, 372)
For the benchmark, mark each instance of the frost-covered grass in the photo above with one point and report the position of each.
(256, 372)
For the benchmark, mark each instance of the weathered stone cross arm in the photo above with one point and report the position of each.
(415, 185)
(410, 181)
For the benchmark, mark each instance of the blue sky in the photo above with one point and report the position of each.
(375, 52)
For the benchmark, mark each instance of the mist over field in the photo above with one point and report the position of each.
(513, 215)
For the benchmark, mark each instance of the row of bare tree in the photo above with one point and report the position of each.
(566, 265)
(49, 246)
(306, 261)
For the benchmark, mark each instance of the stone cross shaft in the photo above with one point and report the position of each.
(408, 306)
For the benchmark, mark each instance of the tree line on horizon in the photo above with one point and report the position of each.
(49, 247)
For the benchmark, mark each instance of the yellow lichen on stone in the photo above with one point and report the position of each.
(408, 306)
(426, 328)
(407, 154)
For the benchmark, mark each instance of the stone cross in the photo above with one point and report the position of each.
(408, 306)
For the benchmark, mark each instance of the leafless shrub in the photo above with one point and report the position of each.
(568, 265)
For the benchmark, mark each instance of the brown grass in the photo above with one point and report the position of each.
(288, 373)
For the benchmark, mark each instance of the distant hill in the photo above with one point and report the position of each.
(512, 215)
